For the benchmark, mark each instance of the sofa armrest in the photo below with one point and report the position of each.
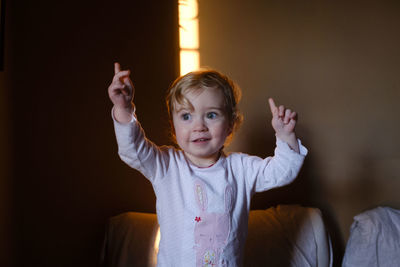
(287, 235)
(131, 239)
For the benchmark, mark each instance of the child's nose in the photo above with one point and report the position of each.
(200, 125)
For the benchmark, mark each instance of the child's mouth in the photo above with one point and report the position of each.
(201, 140)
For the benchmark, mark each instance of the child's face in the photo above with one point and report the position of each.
(201, 132)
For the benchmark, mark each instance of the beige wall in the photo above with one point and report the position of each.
(338, 65)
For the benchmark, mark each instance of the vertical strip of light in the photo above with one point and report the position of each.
(188, 36)
(154, 252)
(189, 56)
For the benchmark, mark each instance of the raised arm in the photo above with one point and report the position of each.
(121, 92)
(284, 122)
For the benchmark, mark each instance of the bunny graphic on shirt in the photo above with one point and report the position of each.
(211, 229)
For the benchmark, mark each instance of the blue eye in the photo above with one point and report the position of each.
(186, 116)
(211, 115)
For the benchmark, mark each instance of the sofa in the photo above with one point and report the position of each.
(285, 235)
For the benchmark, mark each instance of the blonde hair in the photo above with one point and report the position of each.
(199, 80)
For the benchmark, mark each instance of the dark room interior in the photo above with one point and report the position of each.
(60, 175)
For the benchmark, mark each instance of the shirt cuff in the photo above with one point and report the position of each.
(303, 150)
(133, 116)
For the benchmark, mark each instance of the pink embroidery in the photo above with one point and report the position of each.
(212, 230)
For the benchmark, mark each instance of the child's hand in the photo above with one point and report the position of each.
(121, 89)
(284, 121)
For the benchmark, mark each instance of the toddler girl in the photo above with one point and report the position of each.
(203, 195)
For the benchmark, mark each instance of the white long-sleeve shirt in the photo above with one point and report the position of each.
(203, 212)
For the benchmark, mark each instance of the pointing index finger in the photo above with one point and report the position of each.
(272, 106)
(117, 67)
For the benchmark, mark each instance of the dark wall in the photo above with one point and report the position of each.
(66, 176)
(6, 238)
